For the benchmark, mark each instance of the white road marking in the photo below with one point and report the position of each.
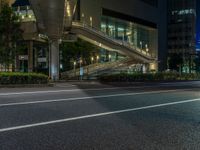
(77, 90)
(65, 86)
(88, 98)
(71, 90)
(95, 115)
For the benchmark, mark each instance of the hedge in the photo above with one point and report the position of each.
(125, 77)
(22, 78)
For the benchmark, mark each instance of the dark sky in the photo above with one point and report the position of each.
(198, 26)
(21, 3)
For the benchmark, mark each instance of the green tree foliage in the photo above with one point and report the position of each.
(197, 62)
(175, 61)
(75, 51)
(10, 35)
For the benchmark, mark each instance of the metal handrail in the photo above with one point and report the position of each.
(124, 43)
(94, 67)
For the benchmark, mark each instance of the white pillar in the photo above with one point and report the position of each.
(144, 69)
(54, 63)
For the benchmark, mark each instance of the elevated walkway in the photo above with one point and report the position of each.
(100, 39)
(95, 69)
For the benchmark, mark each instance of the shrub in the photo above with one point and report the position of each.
(22, 78)
(162, 76)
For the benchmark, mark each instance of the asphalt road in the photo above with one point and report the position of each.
(93, 116)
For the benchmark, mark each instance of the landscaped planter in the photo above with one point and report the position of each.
(14, 78)
(135, 77)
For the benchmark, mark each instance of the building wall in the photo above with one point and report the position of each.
(181, 26)
(136, 8)
(8, 1)
(198, 26)
(154, 13)
(162, 34)
(182, 15)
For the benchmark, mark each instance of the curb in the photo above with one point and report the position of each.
(27, 85)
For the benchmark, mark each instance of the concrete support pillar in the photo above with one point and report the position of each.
(30, 57)
(145, 68)
(54, 63)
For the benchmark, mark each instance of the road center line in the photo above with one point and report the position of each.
(88, 98)
(77, 90)
(95, 115)
(71, 90)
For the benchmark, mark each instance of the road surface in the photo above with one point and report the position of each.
(94, 116)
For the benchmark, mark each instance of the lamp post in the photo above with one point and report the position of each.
(83, 18)
(147, 49)
(74, 68)
(92, 59)
(97, 59)
(141, 45)
(91, 21)
(109, 56)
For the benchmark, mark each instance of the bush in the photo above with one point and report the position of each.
(22, 78)
(171, 76)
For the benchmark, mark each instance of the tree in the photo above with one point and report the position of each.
(175, 61)
(197, 62)
(10, 35)
(75, 51)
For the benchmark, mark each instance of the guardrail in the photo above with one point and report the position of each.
(104, 35)
(94, 68)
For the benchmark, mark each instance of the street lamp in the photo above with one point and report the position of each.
(83, 18)
(92, 59)
(109, 56)
(91, 21)
(141, 45)
(97, 59)
(74, 68)
(147, 49)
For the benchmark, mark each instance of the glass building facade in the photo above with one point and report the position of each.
(182, 19)
(181, 26)
(136, 35)
(25, 13)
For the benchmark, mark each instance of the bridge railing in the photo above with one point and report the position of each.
(93, 68)
(104, 35)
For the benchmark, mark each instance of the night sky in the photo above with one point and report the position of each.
(21, 3)
(198, 26)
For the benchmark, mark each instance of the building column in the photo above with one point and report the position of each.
(54, 63)
(146, 67)
(30, 57)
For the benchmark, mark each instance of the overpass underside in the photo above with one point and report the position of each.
(54, 19)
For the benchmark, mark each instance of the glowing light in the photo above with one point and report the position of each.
(68, 9)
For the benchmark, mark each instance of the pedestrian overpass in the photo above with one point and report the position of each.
(55, 19)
